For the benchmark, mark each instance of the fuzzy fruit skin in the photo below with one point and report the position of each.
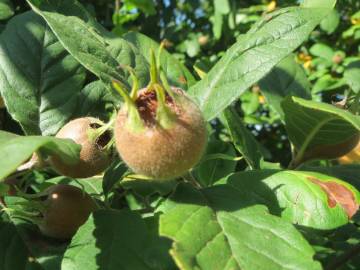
(66, 209)
(93, 160)
(164, 153)
(352, 157)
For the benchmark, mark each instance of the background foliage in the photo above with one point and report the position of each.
(197, 34)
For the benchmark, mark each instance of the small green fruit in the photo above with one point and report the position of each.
(65, 209)
(160, 135)
(94, 158)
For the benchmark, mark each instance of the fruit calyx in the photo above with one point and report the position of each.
(156, 105)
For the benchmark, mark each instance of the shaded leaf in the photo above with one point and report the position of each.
(243, 139)
(286, 79)
(17, 149)
(116, 240)
(319, 130)
(39, 80)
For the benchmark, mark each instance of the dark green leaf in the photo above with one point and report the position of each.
(113, 175)
(242, 138)
(116, 240)
(209, 171)
(71, 22)
(286, 78)
(319, 130)
(39, 80)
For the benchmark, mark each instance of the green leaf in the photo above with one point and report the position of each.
(305, 198)
(243, 139)
(39, 80)
(6, 9)
(116, 240)
(45, 251)
(17, 149)
(176, 72)
(216, 229)
(323, 51)
(71, 22)
(352, 75)
(209, 171)
(13, 252)
(253, 56)
(287, 78)
(330, 22)
(95, 100)
(113, 175)
(319, 130)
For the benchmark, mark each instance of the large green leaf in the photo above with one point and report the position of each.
(71, 22)
(254, 55)
(6, 9)
(243, 140)
(177, 73)
(17, 149)
(216, 228)
(286, 79)
(39, 80)
(305, 198)
(116, 240)
(319, 130)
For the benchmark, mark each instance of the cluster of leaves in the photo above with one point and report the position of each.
(56, 64)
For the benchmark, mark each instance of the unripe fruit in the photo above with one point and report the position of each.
(161, 149)
(65, 209)
(94, 158)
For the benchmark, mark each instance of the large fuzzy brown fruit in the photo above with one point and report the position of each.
(93, 158)
(66, 208)
(157, 152)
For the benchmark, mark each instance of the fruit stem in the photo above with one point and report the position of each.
(164, 116)
(134, 121)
